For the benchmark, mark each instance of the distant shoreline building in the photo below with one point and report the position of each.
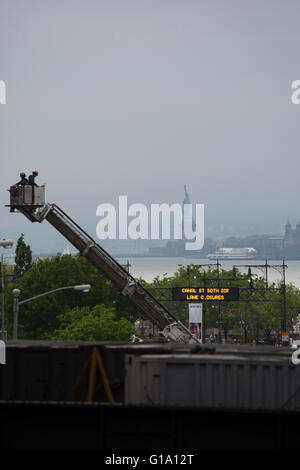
(292, 241)
(276, 247)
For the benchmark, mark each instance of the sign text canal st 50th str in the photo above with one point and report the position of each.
(203, 294)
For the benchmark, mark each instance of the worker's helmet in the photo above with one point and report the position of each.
(35, 173)
(22, 174)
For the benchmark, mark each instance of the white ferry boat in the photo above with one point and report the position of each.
(233, 253)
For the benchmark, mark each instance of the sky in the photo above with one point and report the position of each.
(139, 97)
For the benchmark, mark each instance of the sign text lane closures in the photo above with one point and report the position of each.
(204, 294)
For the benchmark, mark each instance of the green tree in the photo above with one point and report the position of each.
(261, 309)
(98, 323)
(39, 318)
(23, 258)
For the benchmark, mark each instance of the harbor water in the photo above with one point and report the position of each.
(148, 267)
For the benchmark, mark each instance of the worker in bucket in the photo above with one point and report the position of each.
(31, 181)
(23, 181)
(15, 191)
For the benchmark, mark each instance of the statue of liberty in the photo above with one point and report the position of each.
(189, 214)
(186, 196)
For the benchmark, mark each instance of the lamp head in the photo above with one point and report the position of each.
(83, 287)
(6, 243)
(16, 292)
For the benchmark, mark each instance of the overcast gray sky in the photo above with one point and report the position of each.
(138, 97)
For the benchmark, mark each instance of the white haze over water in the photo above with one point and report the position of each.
(148, 268)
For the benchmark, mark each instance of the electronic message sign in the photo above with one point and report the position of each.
(204, 294)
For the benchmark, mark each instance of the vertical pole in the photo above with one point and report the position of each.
(128, 266)
(188, 271)
(2, 299)
(204, 311)
(284, 297)
(245, 332)
(266, 274)
(16, 314)
(219, 307)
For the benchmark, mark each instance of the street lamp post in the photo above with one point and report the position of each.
(5, 244)
(16, 293)
(17, 303)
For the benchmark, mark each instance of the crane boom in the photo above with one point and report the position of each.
(170, 327)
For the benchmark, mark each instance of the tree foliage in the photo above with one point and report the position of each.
(90, 324)
(39, 318)
(23, 258)
(261, 311)
(72, 314)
